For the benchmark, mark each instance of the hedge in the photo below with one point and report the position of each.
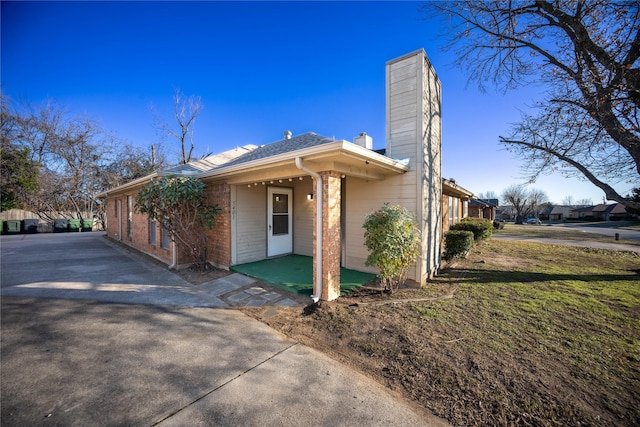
(457, 243)
(480, 227)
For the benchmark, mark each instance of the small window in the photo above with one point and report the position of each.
(129, 217)
(152, 232)
(280, 224)
(456, 210)
(164, 237)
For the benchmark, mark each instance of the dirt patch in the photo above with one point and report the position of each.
(198, 277)
(473, 352)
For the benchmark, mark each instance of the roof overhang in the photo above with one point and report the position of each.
(450, 188)
(343, 157)
(126, 187)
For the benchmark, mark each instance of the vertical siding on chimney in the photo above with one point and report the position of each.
(413, 123)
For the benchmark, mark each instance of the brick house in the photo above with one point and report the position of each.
(308, 194)
(609, 212)
(483, 208)
(456, 202)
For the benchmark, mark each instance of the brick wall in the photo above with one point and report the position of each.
(219, 237)
(331, 229)
(117, 222)
(112, 218)
(445, 213)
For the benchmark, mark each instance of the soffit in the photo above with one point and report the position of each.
(343, 157)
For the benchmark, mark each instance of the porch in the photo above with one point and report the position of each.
(294, 273)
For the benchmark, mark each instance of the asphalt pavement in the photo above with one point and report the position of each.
(623, 234)
(93, 336)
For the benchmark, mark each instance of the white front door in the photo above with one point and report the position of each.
(279, 221)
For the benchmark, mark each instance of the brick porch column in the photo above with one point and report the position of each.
(331, 249)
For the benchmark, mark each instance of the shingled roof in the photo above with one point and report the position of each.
(249, 153)
(306, 140)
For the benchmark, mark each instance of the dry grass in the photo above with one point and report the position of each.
(518, 333)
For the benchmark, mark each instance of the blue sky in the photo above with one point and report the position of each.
(260, 68)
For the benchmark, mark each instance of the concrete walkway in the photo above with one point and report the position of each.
(73, 354)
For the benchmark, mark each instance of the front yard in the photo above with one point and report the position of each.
(519, 333)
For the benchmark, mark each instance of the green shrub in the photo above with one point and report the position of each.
(480, 227)
(457, 243)
(392, 237)
(180, 204)
(498, 225)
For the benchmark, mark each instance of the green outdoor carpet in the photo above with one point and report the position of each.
(294, 273)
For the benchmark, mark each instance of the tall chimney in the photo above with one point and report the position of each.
(414, 132)
(364, 140)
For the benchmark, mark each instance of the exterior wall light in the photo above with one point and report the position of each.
(310, 196)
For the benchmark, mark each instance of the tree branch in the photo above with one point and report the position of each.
(610, 192)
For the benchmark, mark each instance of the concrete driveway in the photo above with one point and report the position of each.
(84, 361)
(87, 266)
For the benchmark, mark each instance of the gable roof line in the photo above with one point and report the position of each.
(127, 185)
(318, 151)
(341, 147)
(453, 189)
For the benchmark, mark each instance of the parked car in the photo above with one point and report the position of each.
(534, 221)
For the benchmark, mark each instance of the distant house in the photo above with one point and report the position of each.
(601, 212)
(309, 194)
(610, 212)
(455, 203)
(483, 208)
(583, 212)
(556, 213)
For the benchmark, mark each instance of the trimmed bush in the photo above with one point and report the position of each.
(392, 237)
(497, 225)
(457, 243)
(480, 227)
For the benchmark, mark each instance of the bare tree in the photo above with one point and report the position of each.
(537, 200)
(74, 159)
(488, 195)
(516, 196)
(129, 162)
(585, 54)
(186, 111)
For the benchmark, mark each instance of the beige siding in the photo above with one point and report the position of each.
(250, 223)
(303, 217)
(432, 167)
(362, 197)
(402, 108)
(413, 131)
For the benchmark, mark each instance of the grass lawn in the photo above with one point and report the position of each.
(518, 333)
